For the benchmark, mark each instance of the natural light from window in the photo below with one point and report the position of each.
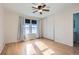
(43, 48)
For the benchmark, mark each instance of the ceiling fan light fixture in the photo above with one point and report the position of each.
(40, 7)
(39, 10)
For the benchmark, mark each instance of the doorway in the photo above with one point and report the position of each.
(76, 29)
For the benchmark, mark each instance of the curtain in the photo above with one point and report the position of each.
(21, 23)
(38, 29)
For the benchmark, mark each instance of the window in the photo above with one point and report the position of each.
(34, 26)
(30, 26)
(34, 22)
(27, 21)
(27, 26)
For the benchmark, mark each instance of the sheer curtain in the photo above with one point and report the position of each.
(39, 32)
(21, 23)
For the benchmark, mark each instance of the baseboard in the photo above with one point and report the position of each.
(12, 42)
(47, 38)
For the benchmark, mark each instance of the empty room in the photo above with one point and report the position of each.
(39, 28)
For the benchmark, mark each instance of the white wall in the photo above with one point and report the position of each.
(11, 26)
(48, 27)
(63, 25)
(2, 41)
(64, 28)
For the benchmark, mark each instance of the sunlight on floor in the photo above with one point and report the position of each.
(30, 49)
(48, 52)
(43, 48)
(41, 45)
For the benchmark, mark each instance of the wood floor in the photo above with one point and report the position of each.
(39, 47)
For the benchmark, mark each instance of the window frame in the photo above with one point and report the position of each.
(31, 28)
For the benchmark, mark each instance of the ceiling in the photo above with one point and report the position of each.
(26, 8)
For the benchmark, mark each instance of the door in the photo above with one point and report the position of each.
(76, 27)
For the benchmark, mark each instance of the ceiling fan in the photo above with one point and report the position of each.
(40, 7)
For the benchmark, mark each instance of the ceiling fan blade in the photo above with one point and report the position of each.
(35, 11)
(41, 13)
(34, 7)
(46, 10)
(44, 6)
